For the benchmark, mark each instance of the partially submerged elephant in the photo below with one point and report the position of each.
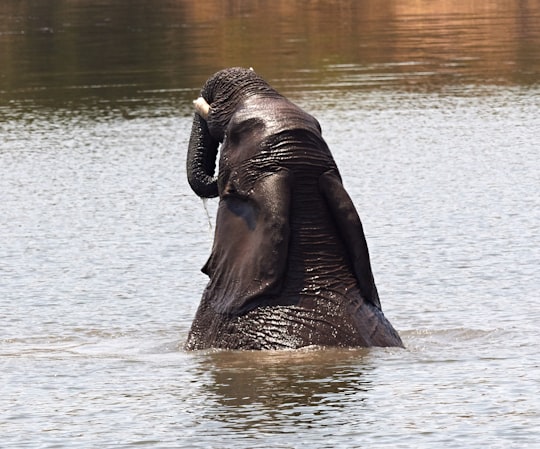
(289, 266)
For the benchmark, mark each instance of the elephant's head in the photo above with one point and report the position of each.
(219, 98)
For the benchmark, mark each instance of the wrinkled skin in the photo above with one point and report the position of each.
(289, 265)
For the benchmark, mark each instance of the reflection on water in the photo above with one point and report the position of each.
(124, 51)
(275, 379)
(289, 391)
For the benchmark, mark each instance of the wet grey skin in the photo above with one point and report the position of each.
(289, 265)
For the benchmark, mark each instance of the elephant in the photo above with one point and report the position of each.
(289, 266)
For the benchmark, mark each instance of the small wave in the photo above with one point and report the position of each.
(460, 341)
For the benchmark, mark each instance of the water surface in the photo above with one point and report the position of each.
(433, 115)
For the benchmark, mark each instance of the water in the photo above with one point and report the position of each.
(433, 115)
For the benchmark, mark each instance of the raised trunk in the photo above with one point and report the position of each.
(201, 159)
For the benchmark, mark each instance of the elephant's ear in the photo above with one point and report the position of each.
(351, 231)
(249, 256)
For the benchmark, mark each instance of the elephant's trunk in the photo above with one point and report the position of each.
(201, 157)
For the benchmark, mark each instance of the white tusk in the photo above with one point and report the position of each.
(202, 107)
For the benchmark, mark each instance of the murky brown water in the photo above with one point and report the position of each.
(432, 110)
